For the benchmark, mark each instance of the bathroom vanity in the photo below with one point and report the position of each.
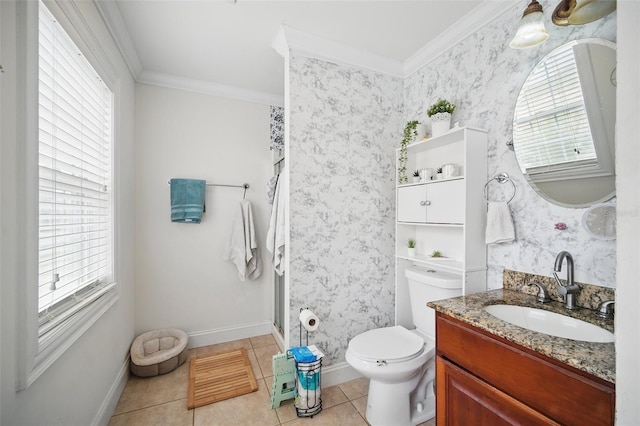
(492, 372)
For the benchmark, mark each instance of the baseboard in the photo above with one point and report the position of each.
(108, 406)
(278, 337)
(337, 374)
(222, 335)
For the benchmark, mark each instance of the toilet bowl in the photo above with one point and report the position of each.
(394, 369)
(398, 362)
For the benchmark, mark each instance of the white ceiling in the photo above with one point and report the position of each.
(227, 46)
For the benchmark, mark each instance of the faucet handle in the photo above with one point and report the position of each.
(542, 295)
(606, 309)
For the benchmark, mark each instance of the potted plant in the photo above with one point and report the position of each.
(439, 173)
(416, 176)
(411, 247)
(436, 253)
(410, 134)
(440, 114)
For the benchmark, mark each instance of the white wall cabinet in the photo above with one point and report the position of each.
(432, 202)
(447, 215)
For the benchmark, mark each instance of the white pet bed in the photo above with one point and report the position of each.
(158, 352)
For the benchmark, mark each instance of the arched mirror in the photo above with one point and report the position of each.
(564, 124)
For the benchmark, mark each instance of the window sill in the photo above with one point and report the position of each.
(66, 335)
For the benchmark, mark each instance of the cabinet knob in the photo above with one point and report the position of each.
(425, 203)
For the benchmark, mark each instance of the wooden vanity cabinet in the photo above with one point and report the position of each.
(483, 379)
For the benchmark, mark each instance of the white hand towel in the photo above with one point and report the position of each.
(499, 224)
(275, 235)
(242, 247)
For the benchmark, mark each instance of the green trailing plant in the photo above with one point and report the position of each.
(436, 253)
(441, 105)
(411, 243)
(410, 133)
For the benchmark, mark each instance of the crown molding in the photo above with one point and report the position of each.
(112, 18)
(478, 17)
(209, 88)
(290, 39)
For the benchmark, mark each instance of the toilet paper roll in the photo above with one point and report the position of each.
(309, 320)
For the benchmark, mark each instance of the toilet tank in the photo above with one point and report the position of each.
(426, 285)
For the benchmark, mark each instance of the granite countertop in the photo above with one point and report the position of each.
(594, 358)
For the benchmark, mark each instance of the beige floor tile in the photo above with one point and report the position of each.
(339, 415)
(361, 405)
(286, 411)
(265, 354)
(223, 347)
(250, 409)
(265, 340)
(355, 388)
(142, 392)
(257, 371)
(333, 396)
(172, 413)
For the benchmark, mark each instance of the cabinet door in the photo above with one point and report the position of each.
(412, 203)
(437, 202)
(445, 202)
(463, 399)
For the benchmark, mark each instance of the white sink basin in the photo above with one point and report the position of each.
(550, 323)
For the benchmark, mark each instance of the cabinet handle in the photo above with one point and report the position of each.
(425, 203)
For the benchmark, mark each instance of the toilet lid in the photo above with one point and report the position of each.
(391, 344)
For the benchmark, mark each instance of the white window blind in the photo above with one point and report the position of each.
(551, 102)
(75, 197)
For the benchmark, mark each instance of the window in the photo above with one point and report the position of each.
(552, 123)
(75, 241)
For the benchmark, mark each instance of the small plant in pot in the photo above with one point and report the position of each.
(416, 175)
(440, 114)
(436, 253)
(439, 173)
(411, 247)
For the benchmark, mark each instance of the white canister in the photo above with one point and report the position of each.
(421, 130)
(426, 175)
(449, 171)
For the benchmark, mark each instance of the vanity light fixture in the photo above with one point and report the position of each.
(531, 30)
(578, 12)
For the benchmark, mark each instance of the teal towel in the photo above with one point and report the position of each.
(187, 200)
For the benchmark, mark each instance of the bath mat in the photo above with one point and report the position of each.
(219, 376)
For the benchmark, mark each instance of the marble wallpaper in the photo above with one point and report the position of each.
(276, 127)
(345, 124)
(344, 128)
(482, 76)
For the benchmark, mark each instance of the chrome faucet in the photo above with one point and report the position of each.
(606, 309)
(542, 296)
(570, 289)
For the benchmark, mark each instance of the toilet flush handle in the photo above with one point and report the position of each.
(381, 363)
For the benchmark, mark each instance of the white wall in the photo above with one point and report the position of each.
(628, 243)
(83, 385)
(181, 279)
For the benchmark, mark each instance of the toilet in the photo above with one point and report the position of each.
(400, 363)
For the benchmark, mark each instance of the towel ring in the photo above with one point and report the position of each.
(501, 177)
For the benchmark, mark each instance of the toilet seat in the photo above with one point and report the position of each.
(390, 344)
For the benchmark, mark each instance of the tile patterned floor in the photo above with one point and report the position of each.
(162, 400)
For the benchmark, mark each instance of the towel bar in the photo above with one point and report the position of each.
(500, 178)
(244, 185)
